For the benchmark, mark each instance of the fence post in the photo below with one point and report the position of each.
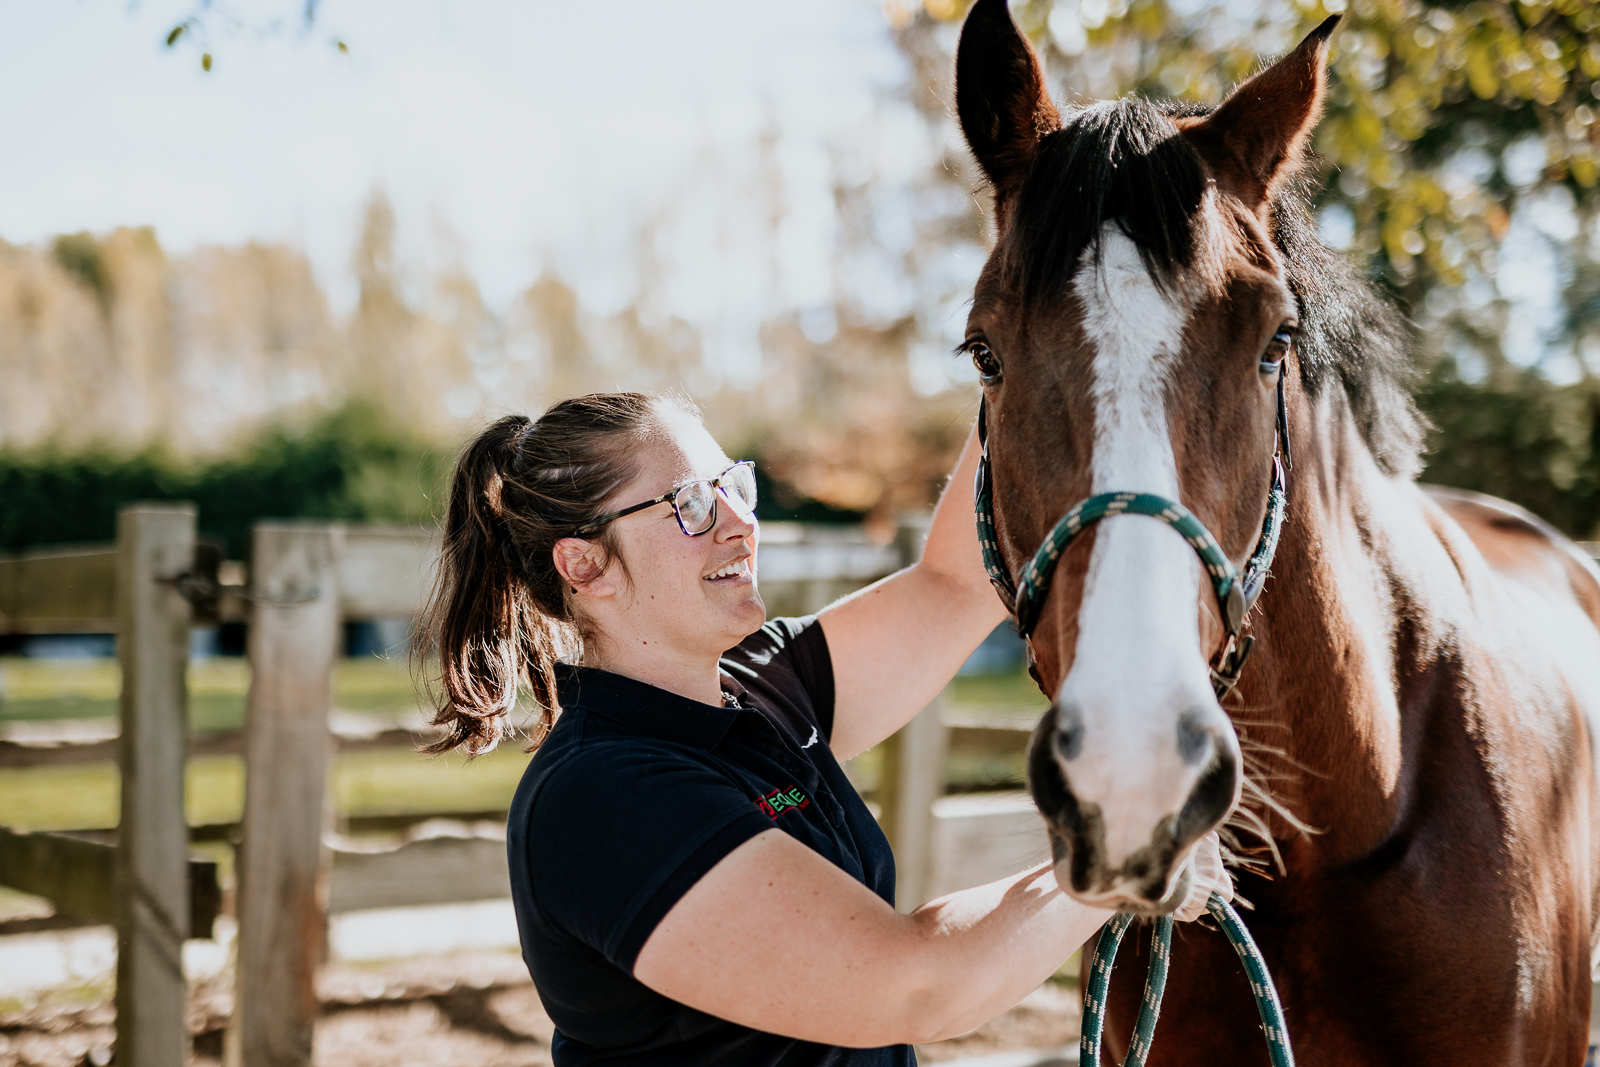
(913, 770)
(913, 778)
(283, 865)
(155, 545)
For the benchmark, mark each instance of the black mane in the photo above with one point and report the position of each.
(1123, 161)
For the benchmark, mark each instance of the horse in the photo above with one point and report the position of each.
(1412, 742)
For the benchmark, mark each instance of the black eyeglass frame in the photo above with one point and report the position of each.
(671, 497)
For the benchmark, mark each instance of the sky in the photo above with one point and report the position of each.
(511, 135)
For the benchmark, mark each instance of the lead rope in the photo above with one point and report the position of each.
(1155, 983)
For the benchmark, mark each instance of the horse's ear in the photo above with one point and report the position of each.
(1000, 94)
(1258, 135)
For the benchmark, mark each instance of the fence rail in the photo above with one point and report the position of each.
(77, 871)
(63, 590)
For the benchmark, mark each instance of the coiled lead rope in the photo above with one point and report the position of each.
(1155, 983)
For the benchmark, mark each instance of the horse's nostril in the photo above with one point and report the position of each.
(1069, 731)
(1194, 738)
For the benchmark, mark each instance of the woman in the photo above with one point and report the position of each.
(695, 880)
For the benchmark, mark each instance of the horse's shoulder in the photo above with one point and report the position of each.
(1516, 542)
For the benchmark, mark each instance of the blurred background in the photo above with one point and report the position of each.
(281, 258)
(292, 283)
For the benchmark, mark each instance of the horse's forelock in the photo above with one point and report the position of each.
(1120, 162)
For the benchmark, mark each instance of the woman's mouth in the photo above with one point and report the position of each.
(739, 568)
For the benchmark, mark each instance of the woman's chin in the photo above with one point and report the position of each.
(745, 614)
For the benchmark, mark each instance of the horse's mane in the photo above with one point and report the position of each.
(1122, 161)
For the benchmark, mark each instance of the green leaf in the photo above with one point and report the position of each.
(177, 31)
(205, 62)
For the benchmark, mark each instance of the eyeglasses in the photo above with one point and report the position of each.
(695, 503)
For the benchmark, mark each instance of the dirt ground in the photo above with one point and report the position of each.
(465, 1010)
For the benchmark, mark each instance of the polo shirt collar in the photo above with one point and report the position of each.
(646, 709)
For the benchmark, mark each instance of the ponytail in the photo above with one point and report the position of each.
(499, 615)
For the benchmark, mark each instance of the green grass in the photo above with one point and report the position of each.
(376, 782)
(84, 796)
(1010, 695)
(380, 782)
(40, 689)
(1067, 973)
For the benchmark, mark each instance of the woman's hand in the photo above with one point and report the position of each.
(1209, 876)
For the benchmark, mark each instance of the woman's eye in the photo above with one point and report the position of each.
(985, 360)
(1277, 350)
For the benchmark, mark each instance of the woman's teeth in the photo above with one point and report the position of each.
(732, 570)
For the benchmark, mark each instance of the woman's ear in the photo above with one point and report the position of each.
(583, 565)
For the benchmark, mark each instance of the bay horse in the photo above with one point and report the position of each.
(1414, 737)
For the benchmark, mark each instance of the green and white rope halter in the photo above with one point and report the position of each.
(1033, 585)
(1235, 594)
(1105, 954)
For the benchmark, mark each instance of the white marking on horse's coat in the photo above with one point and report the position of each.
(1138, 665)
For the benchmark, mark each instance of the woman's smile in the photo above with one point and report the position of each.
(736, 571)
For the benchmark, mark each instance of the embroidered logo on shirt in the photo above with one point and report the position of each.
(779, 801)
(812, 740)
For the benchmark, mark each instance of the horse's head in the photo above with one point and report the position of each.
(1130, 328)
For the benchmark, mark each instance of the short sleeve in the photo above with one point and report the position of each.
(618, 833)
(788, 665)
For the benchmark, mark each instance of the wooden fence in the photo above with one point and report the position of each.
(305, 579)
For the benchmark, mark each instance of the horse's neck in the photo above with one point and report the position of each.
(1356, 591)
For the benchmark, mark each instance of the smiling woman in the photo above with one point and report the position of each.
(695, 879)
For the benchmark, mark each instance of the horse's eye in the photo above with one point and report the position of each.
(1277, 350)
(986, 361)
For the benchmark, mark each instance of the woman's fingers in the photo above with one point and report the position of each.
(1208, 876)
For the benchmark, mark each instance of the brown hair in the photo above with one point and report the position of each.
(498, 615)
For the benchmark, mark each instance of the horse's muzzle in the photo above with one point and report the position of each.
(1142, 881)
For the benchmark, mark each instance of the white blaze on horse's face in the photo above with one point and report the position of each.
(1137, 724)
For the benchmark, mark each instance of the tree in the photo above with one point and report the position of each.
(214, 19)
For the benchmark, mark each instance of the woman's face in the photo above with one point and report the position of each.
(692, 595)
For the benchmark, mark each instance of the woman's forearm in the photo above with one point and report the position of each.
(855, 972)
(988, 947)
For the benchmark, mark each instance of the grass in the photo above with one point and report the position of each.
(1009, 695)
(52, 690)
(375, 782)
(1067, 973)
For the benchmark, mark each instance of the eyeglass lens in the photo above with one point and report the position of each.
(697, 501)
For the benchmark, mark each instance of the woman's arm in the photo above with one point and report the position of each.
(896, 643)
(777, 938)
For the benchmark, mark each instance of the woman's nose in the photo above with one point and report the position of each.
(743, 517)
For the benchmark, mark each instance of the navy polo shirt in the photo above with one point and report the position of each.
(635, 795)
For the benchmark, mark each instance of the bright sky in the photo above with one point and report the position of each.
(513, 133)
